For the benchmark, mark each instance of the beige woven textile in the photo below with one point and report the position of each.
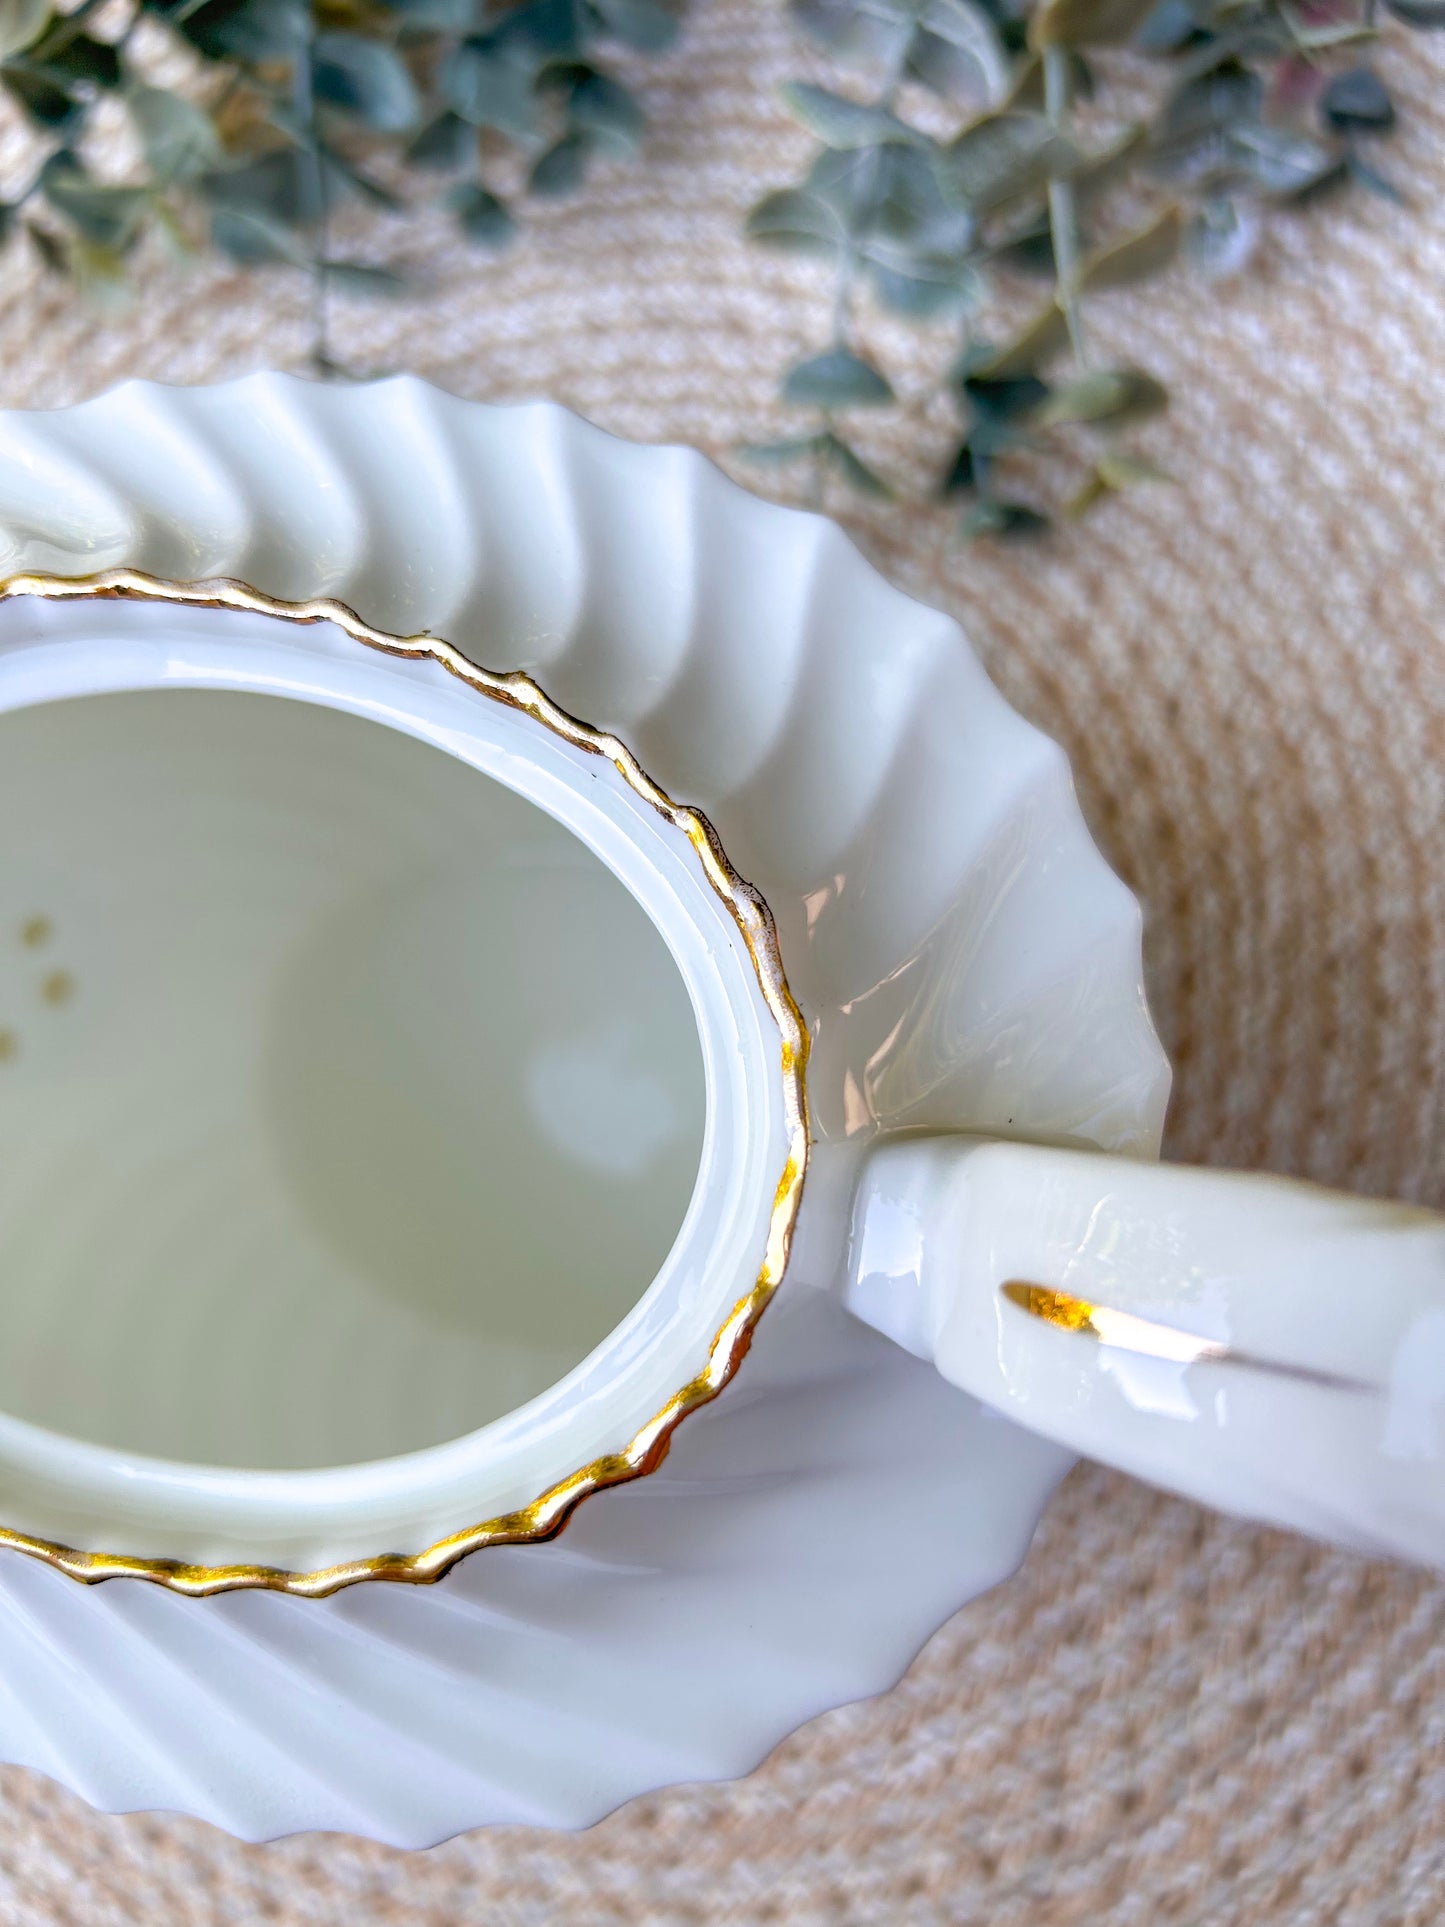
(1165, 1717)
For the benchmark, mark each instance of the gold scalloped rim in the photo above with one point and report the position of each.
(545, 1517)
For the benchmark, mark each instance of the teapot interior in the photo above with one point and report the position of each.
(347, 1100)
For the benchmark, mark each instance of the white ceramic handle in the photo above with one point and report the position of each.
(1268, 1347)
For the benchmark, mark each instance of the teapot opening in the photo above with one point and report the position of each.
(347, 1100)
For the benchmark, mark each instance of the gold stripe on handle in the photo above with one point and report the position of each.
(1125, 1331)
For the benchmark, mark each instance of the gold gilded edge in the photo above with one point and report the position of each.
(1126, 1331)
(545, 1517)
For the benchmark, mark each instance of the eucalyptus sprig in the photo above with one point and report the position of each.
(1017, 163)
(300, 105)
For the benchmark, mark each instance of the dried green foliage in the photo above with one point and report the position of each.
(1259, 103)
(303, 104)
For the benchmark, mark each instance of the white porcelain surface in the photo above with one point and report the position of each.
(965, 961)
(1268, 1347)
(175, 1174)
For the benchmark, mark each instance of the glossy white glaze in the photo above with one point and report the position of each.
(1272, 1348)
(677, 1630)
(148, 1164)
(965, 960)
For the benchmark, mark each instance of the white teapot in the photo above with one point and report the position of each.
(414, 1097)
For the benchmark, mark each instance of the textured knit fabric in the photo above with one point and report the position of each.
(1165, 1716)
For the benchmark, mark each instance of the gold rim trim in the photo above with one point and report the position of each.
(545, 1517)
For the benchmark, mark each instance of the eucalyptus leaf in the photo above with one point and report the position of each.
(1026, 95)
(840, 122)
(989, 439)
(604, 108)
(1418, 13)
(945, 69)
(1099, 173)
(178, 244)
(343, 174)
(1222, 237)
(852, 467)
(1357, 102)
(1282, 161)
(1136, 256)
(106, 217)
(892, 190)
(1121, 469)
(798, 222)
(895, 192)
(1087, 23)
(838, 378)
(288, 77)
(1168, 26)
(561, 169)
(963, 24)
(482, 217)
(283, 187)
(999, 402)
(1325, 36)
(1028, 248)
(956, 50)
(445, 143)
(546, 29)
(289, 114)
(1004, 156)
(440, 16)
(961, 473)
(853, 28)
(260, 30)
(366, 78)
(1043, 336)
(99, 274)
(921, 287)
(179, 139)
(649, 25)
(54, 253)
(250, 238)
(1192, 135)
(1004, 397)
(73, 58)
(1093, 489)
(254, 31)
(360, 277)
(485, 86)
(847, 180)
(47, 103)
(1112, 474)
(1112, 396)
(558, 77)
(1012, 521)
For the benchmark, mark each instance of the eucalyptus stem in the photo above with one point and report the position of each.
(846, 280)
(1063, 214)
(888, 93)
(843, 299)
(304, 103)
(908, 19)
(818, 469)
